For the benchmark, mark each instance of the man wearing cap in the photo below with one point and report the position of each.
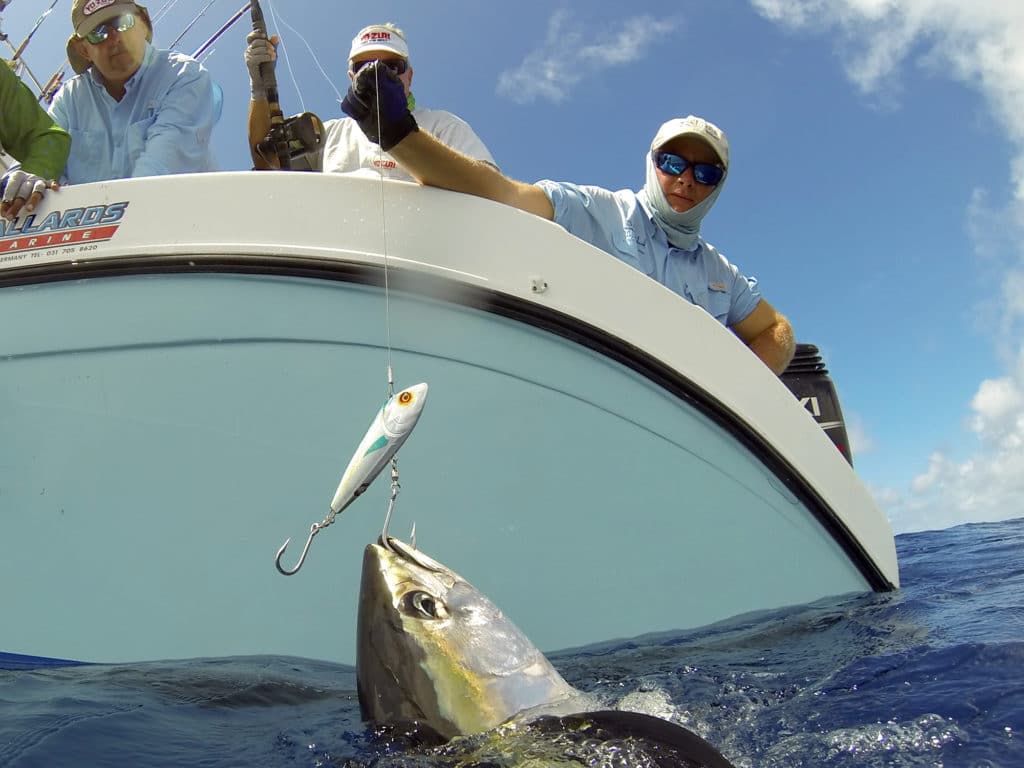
(656, 230)
(345, 147)
(29, 135)
(133, 110)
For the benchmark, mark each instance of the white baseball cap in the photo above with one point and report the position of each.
(379, 37)
(697, 127)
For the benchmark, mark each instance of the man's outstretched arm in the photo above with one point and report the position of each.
(377, 102)
(437, 165)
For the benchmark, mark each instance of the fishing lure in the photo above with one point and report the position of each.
(389, 429)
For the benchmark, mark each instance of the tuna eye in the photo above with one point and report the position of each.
(422, 605)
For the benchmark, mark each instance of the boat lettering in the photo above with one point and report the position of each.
(95, 223)
(811, 404)
(58, 220)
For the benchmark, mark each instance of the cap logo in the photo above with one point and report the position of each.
(94, 5)
(704, 126)
(369, 37)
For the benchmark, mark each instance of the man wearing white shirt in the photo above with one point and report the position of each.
(346, 149)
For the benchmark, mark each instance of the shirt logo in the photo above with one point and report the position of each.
(721, 287)
(94, 5)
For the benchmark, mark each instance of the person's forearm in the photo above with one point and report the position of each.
(48, 152)
(259, 127)
(775, 346)
(435, 164)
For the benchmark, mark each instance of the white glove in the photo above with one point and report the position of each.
(259, 51)
(19, 184)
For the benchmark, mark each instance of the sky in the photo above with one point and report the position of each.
(876, 187)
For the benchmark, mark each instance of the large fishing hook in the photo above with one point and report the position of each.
(314, 529)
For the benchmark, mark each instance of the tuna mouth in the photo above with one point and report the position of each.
(410, 554)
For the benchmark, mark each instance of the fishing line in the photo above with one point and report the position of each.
(274, 14)
(284, 53)
(316, 61)
(384, 238)
(192, 23)
(164, 10)
(380, 167)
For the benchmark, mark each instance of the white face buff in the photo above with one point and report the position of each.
(682, 229)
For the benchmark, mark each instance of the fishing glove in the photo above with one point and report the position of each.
(20, 185)
(259, 51)
(377, 90)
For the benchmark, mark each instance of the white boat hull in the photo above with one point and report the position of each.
(182, 398)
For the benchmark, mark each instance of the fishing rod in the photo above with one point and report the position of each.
(31, 32)
(191, 24)
(275, 141)
(16, 59)
(224, 28)
(289, 138)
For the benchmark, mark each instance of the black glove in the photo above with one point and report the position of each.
(377, 88)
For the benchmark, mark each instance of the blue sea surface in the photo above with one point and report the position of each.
(931, 675)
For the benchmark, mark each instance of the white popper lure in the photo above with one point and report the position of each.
(390, 428)
(388, 431)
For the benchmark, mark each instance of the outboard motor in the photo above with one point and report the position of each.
(807, 378)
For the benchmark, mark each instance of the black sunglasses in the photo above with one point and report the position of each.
(396, 66)
(674, 165)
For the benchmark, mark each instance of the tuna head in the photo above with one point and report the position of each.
(433, 650)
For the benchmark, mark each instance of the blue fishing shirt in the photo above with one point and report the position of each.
(620, 223)
(162, 124)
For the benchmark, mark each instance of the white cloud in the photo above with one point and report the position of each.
(568, 56)
(861, 442)
(978, 44)
(999, 411)
(987, 486)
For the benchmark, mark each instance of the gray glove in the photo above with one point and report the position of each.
(18, 184)
(259, 51)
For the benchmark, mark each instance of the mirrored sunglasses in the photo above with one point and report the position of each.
(674, 165)
(121, 23)
(397, 66)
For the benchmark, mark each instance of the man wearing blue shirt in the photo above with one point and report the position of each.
(656, 230)
(133, 110)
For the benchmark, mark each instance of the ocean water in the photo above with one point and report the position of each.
(932, 675)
